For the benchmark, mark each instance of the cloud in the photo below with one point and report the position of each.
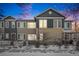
(26, 8)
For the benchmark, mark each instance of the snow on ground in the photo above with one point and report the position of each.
(32, 51)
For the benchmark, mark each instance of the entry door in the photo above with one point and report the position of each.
(13, 36)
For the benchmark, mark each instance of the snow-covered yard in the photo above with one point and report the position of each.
(42, 51)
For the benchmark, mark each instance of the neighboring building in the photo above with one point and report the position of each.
(49, 25)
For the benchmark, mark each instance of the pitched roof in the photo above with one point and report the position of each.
(50, 13)
(9, 17)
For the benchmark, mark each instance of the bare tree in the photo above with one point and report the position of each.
(46, 39)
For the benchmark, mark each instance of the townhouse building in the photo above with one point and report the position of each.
(47, 26)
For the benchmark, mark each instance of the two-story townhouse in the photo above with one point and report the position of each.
(26, 30)
(51, 25)
(48, 26)
(7, 30)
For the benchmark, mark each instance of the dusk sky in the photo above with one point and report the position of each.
(32, 9)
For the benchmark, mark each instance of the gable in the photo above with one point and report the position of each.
(9, 18)
(50, 13)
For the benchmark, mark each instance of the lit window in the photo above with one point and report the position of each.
(31, 25)
(32, 37)
(50, 12)
(42, 23)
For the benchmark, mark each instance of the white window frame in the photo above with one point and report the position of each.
(31, 25)
(65, 26)
(1, 34)
(32, 37)
(56, 23)
(7, 36)
(41, 36)
(1, 23)
(6, 24)
(13, 24)
(21, 36)
(43, 23)
(21, 24)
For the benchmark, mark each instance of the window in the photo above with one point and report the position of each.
(18, 36)
(6, 24)
(50, 12)
(50, 23)
(1, 24)
(21, 24)
(41, 36)
(42, 23)
(32, 37)
(7, 35)
(13, 36)
(57, 24)
(24, 24)
(13, 24)
(1, 36)
(67, 25)
(18, 24)
(21, 36)
(31, 25)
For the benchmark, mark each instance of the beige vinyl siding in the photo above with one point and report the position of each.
(7, 35)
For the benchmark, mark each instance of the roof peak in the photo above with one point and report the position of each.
(9, 17)
(46, 14)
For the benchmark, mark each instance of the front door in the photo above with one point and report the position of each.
(13, 36)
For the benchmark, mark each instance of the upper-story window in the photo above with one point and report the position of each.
(1, 24)
(57, 24)
(42, 23)
(21, 24)
(13, 24)
(6, 24)
(67, 25)
(31, 25)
